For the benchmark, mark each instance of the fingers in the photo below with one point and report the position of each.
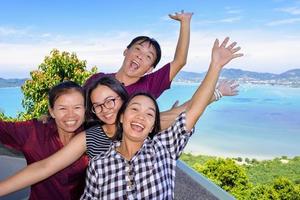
(216, 43)
(235, 49)
(237, 55)
(224, 43)
(231, 45)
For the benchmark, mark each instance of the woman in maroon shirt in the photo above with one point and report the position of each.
(38, 140)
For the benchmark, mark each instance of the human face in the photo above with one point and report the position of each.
(139, 59)
(68, 112)
(138, 119)
(102, 94)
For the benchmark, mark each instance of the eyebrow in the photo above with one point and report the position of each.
(137, 103)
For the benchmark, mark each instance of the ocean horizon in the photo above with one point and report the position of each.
(262, 122)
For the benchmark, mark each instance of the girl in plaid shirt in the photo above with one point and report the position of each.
(141, 163)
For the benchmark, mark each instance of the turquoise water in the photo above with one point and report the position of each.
(261, 122)
(10, 101)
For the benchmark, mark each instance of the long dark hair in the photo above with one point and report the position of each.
(110, 82)
(156, 126)
(152, 41)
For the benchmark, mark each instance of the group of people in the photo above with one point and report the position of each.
(130, 151)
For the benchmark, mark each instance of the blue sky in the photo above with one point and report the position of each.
(98, 31)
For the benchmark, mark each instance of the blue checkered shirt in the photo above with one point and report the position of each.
(150, 174)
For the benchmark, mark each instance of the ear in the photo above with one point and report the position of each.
(51, 112)
(121, 118)
(125, 52)
(150, 70)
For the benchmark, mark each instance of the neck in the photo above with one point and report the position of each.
(65, 137)
(109, 129)
(128, 148)
(125, 79)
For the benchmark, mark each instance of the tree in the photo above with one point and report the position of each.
(228, 175)
(56, 68)
(285, 189)
(262, 192)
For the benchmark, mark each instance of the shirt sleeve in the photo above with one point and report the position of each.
(160, 80)
(175, 138)
(15, 134)
(91, 191)
(96, 141)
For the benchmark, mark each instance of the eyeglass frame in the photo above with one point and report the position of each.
(104, 104)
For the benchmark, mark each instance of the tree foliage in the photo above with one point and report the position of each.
(55, 68)
(269, 179)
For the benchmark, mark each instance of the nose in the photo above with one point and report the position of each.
(141, 116)
(71, 112)
(139, 56)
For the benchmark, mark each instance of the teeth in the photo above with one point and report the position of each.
(138, 124)
(108, 115)
(135, 65)
(70, 123)
(138, 64)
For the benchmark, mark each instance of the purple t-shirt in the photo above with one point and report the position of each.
(154, 83)
(37, 141)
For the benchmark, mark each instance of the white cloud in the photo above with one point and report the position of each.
(9, 31)
(264, 51)
(231, 10)
(290, 10)
(284, 22)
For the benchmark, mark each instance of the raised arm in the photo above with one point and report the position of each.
(183, 42)
(43, 169)
(221, 55)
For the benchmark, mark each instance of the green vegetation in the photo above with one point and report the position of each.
(55, 68)
(270, 179)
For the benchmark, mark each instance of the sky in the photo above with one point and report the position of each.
(97, 31)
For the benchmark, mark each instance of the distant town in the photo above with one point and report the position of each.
(290, 78)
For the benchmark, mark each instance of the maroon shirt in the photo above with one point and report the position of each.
(154, 83)
(38, 140)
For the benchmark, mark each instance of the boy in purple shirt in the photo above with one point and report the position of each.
(141, 57)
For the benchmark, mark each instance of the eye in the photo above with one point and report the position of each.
(149, 57)
(150, 114)
(134, 109)
(137, 48)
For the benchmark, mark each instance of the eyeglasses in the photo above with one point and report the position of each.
(108, 104)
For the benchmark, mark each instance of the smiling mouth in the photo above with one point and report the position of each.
(71, 122)
(137, 126)
(108, 115)
(134, 65)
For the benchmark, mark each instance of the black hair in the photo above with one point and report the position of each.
(153, 42)
(110, 82)
(62, 88)
(156, 126)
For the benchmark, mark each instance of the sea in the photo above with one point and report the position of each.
(261, 122)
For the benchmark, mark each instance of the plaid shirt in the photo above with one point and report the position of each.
(150, 174)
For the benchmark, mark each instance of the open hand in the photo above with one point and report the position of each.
(223, 54)
(182, 16)
(228, 87)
